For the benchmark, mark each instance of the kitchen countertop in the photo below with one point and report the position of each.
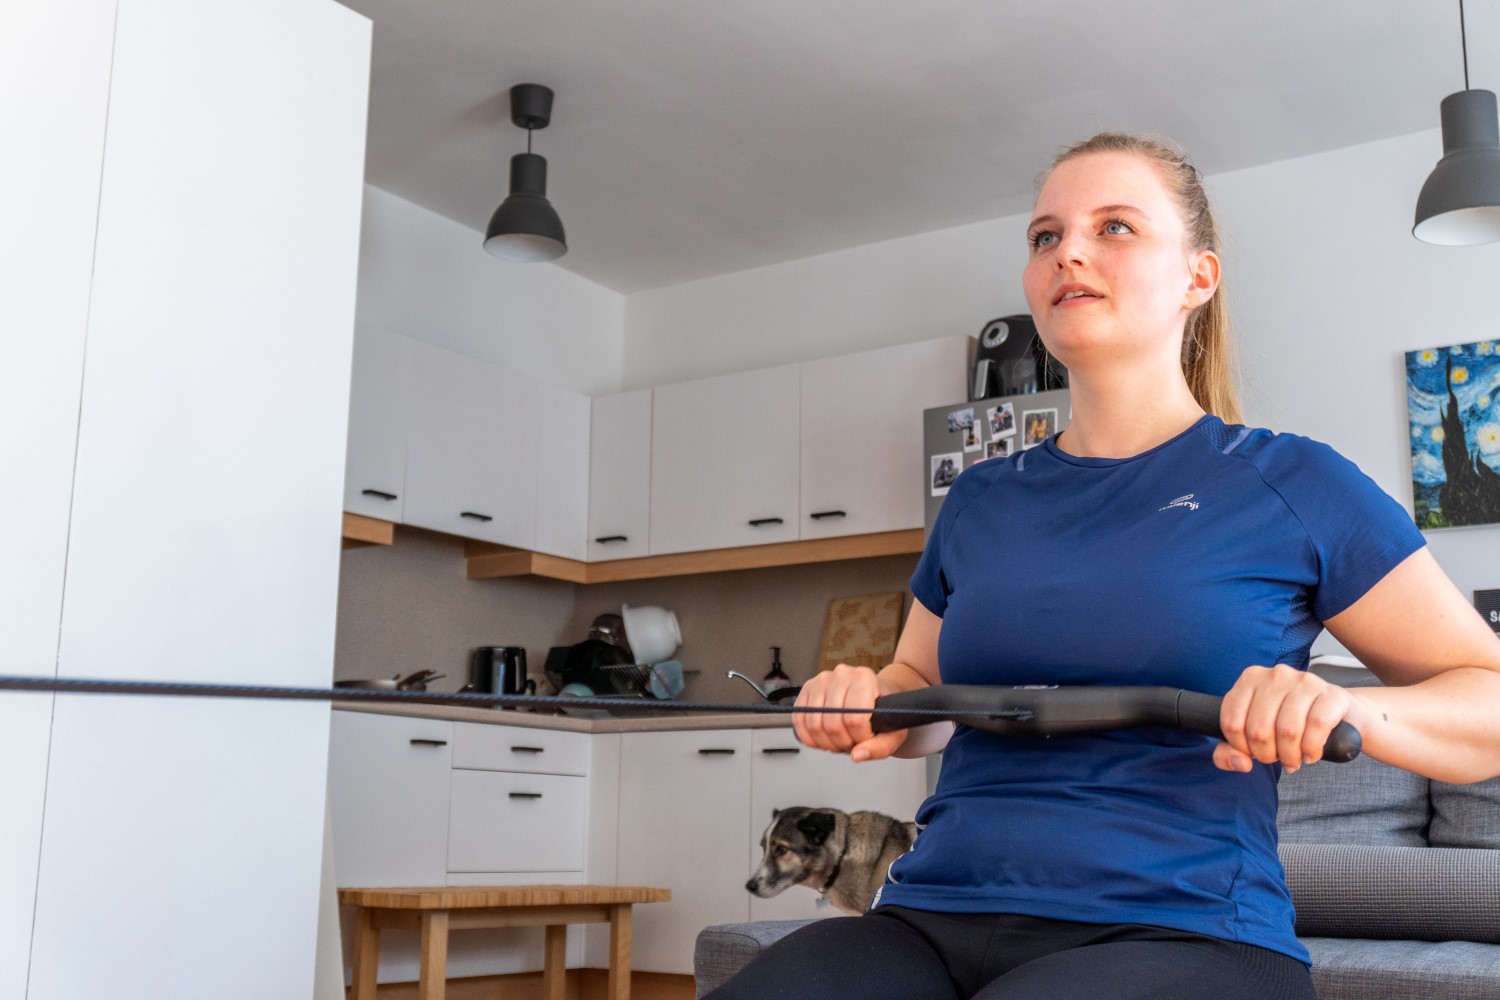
(646, 722)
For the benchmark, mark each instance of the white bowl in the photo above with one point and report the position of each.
(652, 632)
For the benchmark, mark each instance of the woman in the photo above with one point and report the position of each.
(1154, 541)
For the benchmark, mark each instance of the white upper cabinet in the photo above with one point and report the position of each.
(375, 475)
(561, 464)
(620, 476)
(724, 461)
(470, 453)
(862, 434)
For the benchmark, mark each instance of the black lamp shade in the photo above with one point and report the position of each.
(1460, 203)
(525, 227)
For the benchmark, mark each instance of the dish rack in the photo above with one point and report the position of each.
(625, 680)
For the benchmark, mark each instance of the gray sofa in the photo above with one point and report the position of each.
(1396, 880)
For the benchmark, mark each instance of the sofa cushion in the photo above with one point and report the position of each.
(1397, 893)
(1353, 969)
(1361, 802)
(1465, 815)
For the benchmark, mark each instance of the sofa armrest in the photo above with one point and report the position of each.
(1395, 893)
(724, 949)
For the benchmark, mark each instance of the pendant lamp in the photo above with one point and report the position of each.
(1460, 203)
(525, 227)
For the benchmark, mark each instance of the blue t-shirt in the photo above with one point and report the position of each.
(1223, 548)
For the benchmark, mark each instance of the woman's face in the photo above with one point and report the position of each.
(1110, 277)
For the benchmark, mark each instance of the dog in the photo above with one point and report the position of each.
(843, 856)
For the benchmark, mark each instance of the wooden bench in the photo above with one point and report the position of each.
(437, 910)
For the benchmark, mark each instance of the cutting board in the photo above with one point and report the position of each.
(861, 631)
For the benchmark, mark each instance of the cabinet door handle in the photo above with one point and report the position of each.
(611, 538)
(827, 513)
(766, 520)
(782, 750)
(526, 749)
(429, 743)
(710, 751)
(382, 494)
(478, 517)
(525, 795)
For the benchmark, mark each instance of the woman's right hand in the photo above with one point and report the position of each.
(844, 687)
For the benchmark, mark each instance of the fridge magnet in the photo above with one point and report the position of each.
(971, 438)
(959, 420)
(1453, 403)
(999, 448)
(945, 469)
(1002, 420)
(1038, 426)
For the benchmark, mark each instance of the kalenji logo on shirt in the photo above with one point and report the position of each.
(1186, 501)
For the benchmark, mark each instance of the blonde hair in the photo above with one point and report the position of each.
(1208, 353)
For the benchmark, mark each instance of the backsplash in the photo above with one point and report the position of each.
(409, 606)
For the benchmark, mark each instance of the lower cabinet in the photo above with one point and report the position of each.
(426, 802)
(431, 802)
(693, 806)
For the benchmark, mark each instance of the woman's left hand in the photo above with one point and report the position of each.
(1281, 714)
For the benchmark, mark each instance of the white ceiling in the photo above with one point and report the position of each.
(697, 137)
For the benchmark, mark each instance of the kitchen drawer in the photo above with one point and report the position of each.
(513, 748)
(502, 821)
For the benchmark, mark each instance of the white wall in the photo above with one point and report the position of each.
(425, 276)
(1327, 284)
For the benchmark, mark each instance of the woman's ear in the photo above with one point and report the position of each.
(1204, 278)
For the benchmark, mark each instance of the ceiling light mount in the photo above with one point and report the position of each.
(1460, 203)
(526, 227)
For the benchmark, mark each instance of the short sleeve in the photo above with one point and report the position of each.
(929, 584)
(1357, 530)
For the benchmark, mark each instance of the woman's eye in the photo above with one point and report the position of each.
(1116, 227)
(1042, 239)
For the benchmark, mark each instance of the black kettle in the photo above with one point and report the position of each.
(499, 670)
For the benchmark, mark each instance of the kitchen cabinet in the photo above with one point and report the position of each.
(620, 476)
(469, 456)
(375, 471)
(693, 806)
(724, 461)
(559, 469)
(861, 434)
(388, 794)
(785, 773)
(684, 810)
(431, 802)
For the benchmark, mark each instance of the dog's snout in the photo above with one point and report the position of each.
(753, 885)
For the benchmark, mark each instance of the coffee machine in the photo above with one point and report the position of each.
(499, 670)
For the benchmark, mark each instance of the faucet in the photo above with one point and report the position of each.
(747, 680)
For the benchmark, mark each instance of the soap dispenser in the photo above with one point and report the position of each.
(777, 678)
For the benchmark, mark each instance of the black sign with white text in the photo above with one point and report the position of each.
(1488, 603)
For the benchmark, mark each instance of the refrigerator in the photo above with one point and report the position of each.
(956, 436)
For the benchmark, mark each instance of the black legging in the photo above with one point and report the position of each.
(904, 954)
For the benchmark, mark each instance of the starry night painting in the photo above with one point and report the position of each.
(1453, 397)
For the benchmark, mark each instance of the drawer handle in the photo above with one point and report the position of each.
(382, 494)
(525, 795)
(429, 743)
(484, 518)
(526, 749)
(611, 538)
(710, 751)
(827, 513)
(782, 750)
(766, 520)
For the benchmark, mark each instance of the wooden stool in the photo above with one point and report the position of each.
(437, 910)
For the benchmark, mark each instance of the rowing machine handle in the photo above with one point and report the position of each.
(1061, 711)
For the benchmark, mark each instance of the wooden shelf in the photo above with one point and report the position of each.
(488, 561)
(360, 531)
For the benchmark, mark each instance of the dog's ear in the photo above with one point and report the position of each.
(816, 826)
(775, 813)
